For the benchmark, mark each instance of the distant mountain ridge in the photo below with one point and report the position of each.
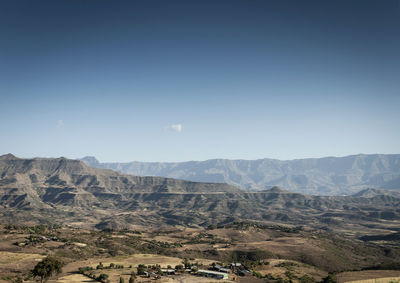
(319, 176)
(60, 190)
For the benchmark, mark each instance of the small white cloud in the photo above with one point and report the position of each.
(60, 123)
(176, 128)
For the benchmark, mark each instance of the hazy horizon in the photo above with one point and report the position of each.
(183, 161)
(261, 158)
(171, 81)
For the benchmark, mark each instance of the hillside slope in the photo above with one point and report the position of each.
(68, 191)
(66, 181)
(319, 176)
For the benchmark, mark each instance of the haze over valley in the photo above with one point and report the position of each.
(318, 176)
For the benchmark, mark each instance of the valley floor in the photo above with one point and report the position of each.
(271, 254)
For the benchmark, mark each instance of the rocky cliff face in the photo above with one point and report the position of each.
(319, 176)
(60, 180)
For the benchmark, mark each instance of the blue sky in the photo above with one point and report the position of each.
(195, 80)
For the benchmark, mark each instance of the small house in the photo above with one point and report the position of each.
(244, 272)
(168, 271)
(212, 274)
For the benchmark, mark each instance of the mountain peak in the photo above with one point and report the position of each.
(369, 192)
(276, 189)
(90, 160)
(372, 192)
(8, 156)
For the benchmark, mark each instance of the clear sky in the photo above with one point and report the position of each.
(194, 80)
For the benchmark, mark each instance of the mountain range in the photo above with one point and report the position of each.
(60, 190)
(319, 176)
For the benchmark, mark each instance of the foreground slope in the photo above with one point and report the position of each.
(272, 251)
(319, 176)
(68, 191)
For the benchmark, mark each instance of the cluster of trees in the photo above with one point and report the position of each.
(33, 240)
(36, 229)
(103, 277)
(131, 279)
(111, 266)
(156, 268)
(246, 225)
(88, 271)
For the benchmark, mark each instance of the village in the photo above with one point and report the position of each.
(157, 273)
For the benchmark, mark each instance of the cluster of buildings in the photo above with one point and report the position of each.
(215, 271)
(221, 272)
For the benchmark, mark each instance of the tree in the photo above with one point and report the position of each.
(141, 269)
(121, 280)
(186, 263)
(132, 278)
(329, 279)
(179, 268)
(100, 265)
(102, 277)
(46, 268)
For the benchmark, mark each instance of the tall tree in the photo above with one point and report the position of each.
(46, 268)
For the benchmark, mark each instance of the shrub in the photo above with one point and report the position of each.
(329, 279)
(102, 277)
(306, 279)
(100, 266)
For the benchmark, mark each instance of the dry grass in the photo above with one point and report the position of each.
(367, 275)
(74, 278)
(7, 258)
(298, 269)
(378, 280)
